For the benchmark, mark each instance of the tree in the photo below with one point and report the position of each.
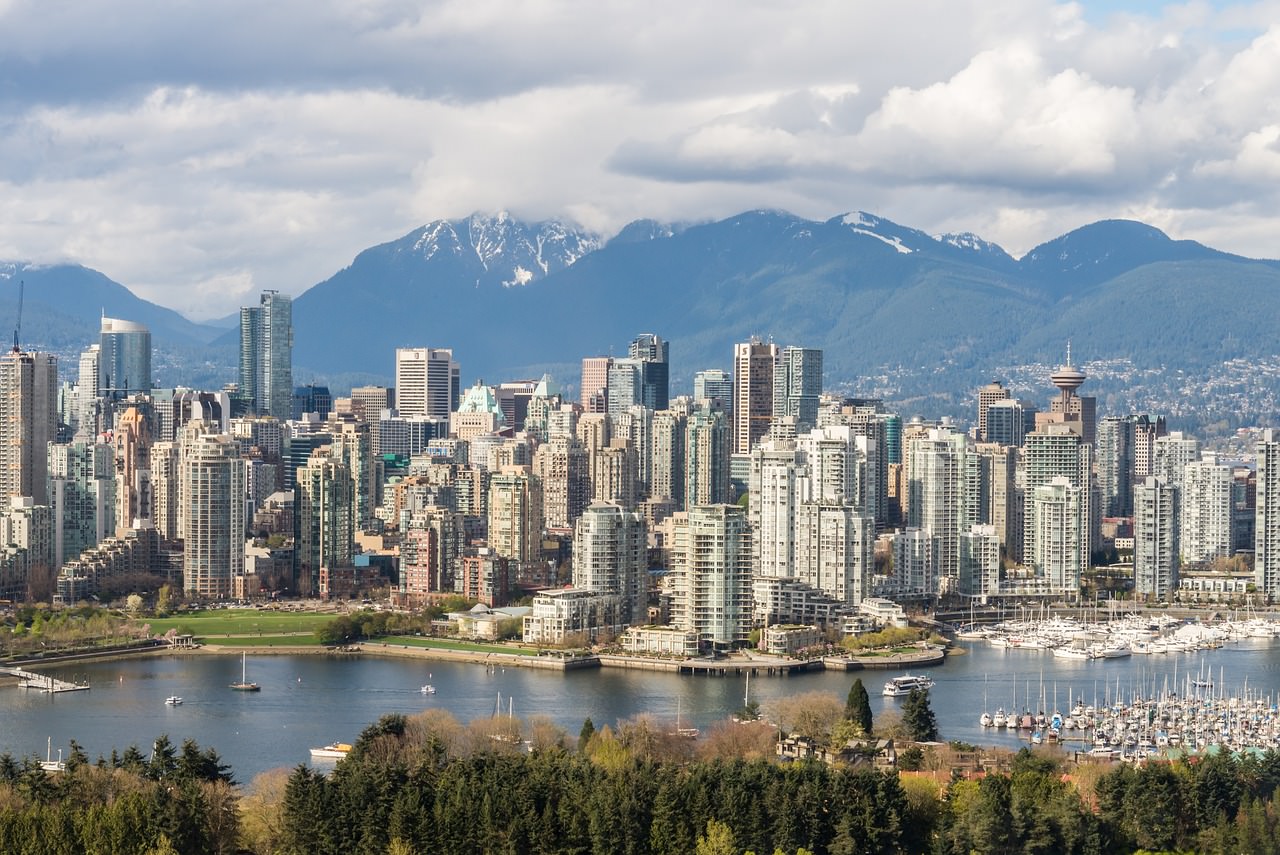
(584, 735)
(918, 717)
(717, 841)
(133, 603)
(857, 708)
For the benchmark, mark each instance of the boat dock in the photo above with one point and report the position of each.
(43, 682)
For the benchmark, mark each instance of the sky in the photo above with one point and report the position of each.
(199, 152)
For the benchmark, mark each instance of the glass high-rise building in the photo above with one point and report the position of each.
(655, 373)
(124, 358)
(266, 355)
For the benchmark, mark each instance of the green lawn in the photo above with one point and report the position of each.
(221, 622)
(441, 644)
(266, 640)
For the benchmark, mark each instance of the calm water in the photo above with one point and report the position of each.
(312, 700)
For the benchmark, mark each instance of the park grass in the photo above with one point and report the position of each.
(224, 622)
(442, 644)
(308, 640)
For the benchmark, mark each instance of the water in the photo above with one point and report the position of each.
(308, 701)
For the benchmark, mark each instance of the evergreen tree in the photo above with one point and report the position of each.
(918, 718)
(857, 708)
(584, 735)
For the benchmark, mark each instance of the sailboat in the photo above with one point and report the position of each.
(687, 732)
(244, 685)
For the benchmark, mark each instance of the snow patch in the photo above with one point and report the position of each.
(521, 277)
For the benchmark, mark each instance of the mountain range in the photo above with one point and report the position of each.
(898, 311)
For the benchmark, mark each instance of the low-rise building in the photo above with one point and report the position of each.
(787, 639)
(883, 612)
(660, 640)
(573, 614)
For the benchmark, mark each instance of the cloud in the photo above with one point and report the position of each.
(198, 152)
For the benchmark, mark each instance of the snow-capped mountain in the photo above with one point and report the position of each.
(506, 249)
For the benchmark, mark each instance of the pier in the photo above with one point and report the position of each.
(43, 682)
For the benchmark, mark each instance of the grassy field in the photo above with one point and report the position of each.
(441, 644)
(307, 640)
(223, 622)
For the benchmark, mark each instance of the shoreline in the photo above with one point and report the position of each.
(758, 664)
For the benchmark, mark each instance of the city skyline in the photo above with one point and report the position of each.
(295, 136)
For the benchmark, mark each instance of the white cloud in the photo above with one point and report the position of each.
(199, 152)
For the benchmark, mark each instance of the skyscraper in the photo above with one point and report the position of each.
(988, 395)
(754, 363)
(28, 422)
(428, 382)
(797, 385)
(1155, 538)
(714, 385)
(610, 556)
(124, 358)
(325, 516)
(213, 519)
(711, 572)
(266, 355)
(1266, 531)
(1205, 510)
(1058, 539)
(1057, 451)
(594, 395)
(706, 458)
(655, 384)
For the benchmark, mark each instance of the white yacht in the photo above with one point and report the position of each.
(901, 686)
(333, 751)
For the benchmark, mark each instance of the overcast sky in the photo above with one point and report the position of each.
(201, 151)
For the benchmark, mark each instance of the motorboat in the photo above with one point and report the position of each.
(333, 751)
(173, 700)
(902, 686)
(428, 689)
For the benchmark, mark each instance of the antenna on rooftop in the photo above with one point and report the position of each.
(17, 326)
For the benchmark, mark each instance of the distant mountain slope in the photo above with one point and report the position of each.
(871, 292)
(63, 299)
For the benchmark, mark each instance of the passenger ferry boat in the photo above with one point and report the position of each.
(901, 686)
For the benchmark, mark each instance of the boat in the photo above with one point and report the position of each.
(902, 686)
(244, 685)
(333, 751)
(428, 689)
(48, 764)
(173, 700)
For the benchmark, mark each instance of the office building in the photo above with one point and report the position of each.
(28, 423)
(124, 358)
(312, 399)
(988, 395)
(754, 364)
(653, 354)
(594, 394)
(428, 382)
(266, 355)
(797, 386)
(715, 387)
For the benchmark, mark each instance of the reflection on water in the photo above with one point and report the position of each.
(309, 701)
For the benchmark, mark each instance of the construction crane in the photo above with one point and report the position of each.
(17, 326)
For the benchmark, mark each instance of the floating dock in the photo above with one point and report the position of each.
(43, 682)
